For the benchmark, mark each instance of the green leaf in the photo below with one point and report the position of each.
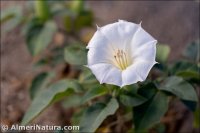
(180, 88)
(188, 74)
(48, 96)
(94, 92)
(148, 90)
(39, 36)
(10, 12)
(56, 57)
(10, 18)
(129, 96)
(71, 101)
(95, 115)
(132, 89)
(132, 100)
(75, 54)
(40, 82)
(162, 52)
(150, 113)
(186, 70)
(192, 51)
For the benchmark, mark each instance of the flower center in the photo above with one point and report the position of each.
(121, 59)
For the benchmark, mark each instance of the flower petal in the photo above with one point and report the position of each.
(140, 39)
(127, 29)
(119, 33)
(107, 73)
(98, 40)
(138, 71)
(146, 52)
(130, 76)
(95, 56)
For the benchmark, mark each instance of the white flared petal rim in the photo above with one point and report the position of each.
(146, 52)
(136, 72)
(107, 73)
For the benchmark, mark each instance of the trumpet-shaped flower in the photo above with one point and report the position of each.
(121, 53)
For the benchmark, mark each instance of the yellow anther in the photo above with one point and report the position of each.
(121, 59)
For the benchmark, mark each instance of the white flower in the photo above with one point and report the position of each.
(121, 53)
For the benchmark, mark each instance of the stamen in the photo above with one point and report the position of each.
(126, 59)
(116, 59)
(121, 59)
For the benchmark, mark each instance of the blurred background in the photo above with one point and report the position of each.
(175, 23)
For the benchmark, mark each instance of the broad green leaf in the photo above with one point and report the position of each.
(32, 27)
(72, 101)
(94, 92)
(148, 90)
(48, 96)
(188, 74)
(131, 88)
(39, 36)
(192, 51)
(162, 52)
(132, 100)
(180, 88)
(75, 54)
(129, 96)
(96, 114)
(181, 66)
(186, 70)
(10, 18)
(10, 12)
(150, 113)
(40, 82)
(56, 57)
